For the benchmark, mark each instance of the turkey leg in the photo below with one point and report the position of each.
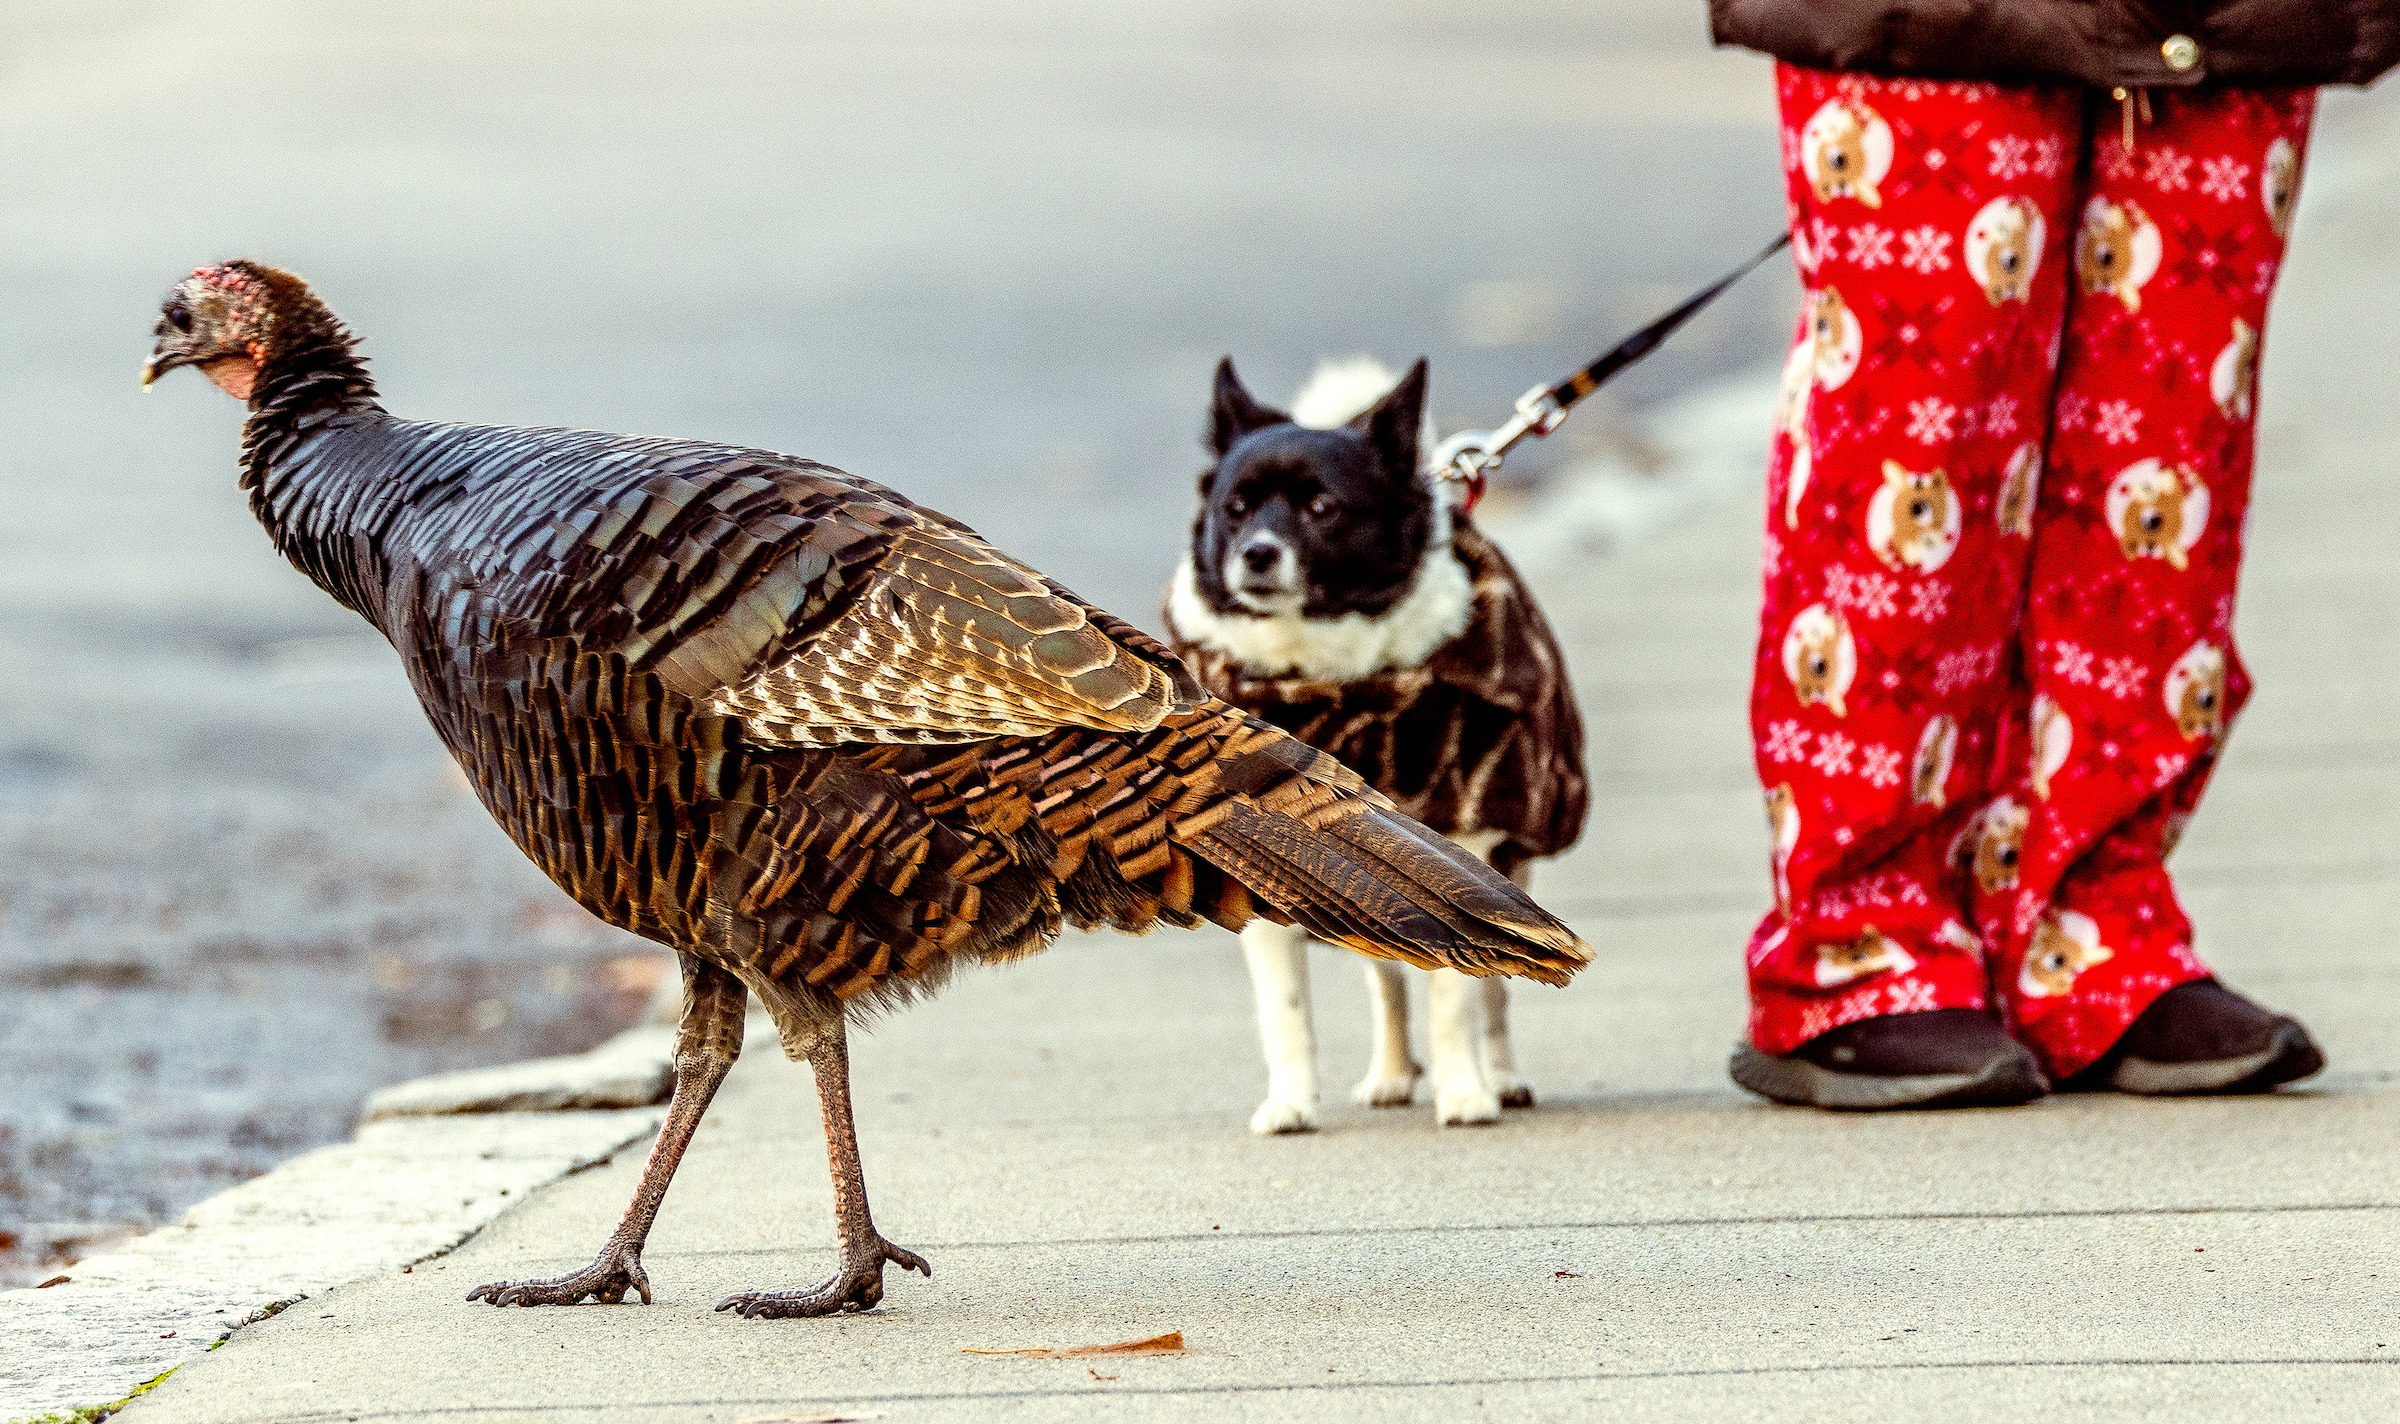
(858, 1285)
(707, 1040)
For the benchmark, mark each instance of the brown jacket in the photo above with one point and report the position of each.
(2135, 43)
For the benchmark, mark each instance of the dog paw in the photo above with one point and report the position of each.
(1386, 1090)
(1276, 1116)
(1515, 1092)
(1466, 1105)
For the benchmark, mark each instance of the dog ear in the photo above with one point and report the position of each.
(1232, 414)
(1393, 425)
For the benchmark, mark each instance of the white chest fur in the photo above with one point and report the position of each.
(1337, 649)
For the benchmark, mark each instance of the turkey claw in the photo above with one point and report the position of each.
(606, 1280)
(857, 1286)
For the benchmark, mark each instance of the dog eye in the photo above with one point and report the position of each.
(1320, 508)
(1237, 505)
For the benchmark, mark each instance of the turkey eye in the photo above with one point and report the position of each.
(179, 318)
(1320, 507)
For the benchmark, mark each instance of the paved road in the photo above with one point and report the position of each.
(1065, 1138)
(987, 254)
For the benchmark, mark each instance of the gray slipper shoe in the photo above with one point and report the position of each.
(1947, 1058)
(2201, 1038)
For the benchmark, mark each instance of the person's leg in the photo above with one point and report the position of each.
(1929, 226)
(2129, 614)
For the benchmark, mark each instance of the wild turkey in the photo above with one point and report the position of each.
(824, 743)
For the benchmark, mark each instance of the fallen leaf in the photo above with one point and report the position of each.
(1566, 1275)
(833, 1417)
(54, 1281)
(1095, 1374)
(1170, 1343)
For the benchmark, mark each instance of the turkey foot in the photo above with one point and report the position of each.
(857, 1286)
(616, 1270)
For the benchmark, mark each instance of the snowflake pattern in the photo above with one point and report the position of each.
(1833, 754)
(1881, 768)
(1868, 595)
(2123, 677)
(1909, 996)
(2119, 422)
(2071, 410)
(1787, 741)
(2166, 169)
(1870, 246)
(1999, 417)
(2170, 765)
(2225, 178)
(1965, 668)
(2011, 157)
(1929, 600)
(2071, 662)
(1932, 420)
(1926, 250)
(2049, 157)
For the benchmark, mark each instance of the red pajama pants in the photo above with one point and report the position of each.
(2012, 459)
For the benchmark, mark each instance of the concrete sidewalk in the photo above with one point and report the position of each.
(1065, 1140)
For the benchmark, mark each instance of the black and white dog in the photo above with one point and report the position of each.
(1339, 591)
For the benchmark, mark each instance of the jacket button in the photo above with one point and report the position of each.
(2180, 52)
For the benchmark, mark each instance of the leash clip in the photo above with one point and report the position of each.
(1471, 455)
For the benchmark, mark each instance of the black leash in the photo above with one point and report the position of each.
(1471, 455)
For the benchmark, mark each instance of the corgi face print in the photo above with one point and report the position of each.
(1913, 520)
(1835, 339)
(1929, 771)
(2064, 945)
(2234, 373)
(1870, 953)
(2004, 247)
(2279, 188)
(1846, 150)
(2052, 736)
(2195, 692)
(1820, 658)
(1996, 840)
(2157, 511)
(1783, 823)
(2020, 484)
(2117, 251)
(2170, 835)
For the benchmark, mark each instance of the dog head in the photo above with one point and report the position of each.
(2064, 945)
(2279, 188)
(2159, 511)
(1870, 953)
(1846, 148)
(2004, 246)
(2117, 250)
(1913, 520)
(1820, 657)
(1993, 842)
(2195, 692)
(1316, 523)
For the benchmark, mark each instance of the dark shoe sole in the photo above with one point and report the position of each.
(2004, 1082)
(2289, 1056)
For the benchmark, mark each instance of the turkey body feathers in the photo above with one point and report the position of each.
(780, 717)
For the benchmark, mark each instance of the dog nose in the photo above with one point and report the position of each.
(1261, 555)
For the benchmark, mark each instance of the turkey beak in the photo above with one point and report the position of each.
(159, 364)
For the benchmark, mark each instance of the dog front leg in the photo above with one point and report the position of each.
(1278, 956)
(1391, 1073)
(1462, 1095)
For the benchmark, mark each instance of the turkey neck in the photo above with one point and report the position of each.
(329, 516)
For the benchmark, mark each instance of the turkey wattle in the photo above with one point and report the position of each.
(822, 742)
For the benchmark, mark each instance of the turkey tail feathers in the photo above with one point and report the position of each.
(1355, 873)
